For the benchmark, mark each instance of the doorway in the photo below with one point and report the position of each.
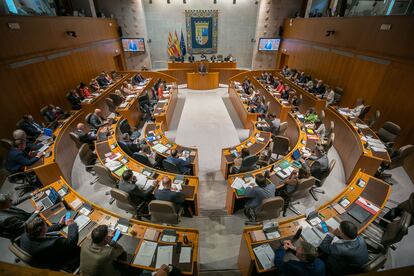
(283, 60)
(119, 63)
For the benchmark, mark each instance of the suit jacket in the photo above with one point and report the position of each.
(33, 129)
(181, 164)
(96, 260)
(51, 251)
(171, 196)
(319, 90)
(75, 101)
(299, 268)
(96, 121)
(135, 193)
(257, 194)
(344, 257)
(103, 82)
(12, 222)
(85, 137)
(17, 159)
(320, 166)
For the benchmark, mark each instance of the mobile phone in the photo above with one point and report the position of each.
(324, 227)
(67, 217)
(116, 236)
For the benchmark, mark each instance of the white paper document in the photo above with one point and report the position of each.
(265, 255)
(185, 255)
(333, 223)
(238, 183)
(164, 255)
(145, 253)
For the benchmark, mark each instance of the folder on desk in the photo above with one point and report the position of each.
(129, 244)
(145, 253)
(358, 213)
(151, 234)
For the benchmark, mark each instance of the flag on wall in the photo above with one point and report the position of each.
(177, 44)
(182, 44)
(169, 46)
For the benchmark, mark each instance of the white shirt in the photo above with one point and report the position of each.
(355, 112)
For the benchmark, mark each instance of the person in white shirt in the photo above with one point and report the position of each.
(359, 106)
(320, 128)
(329, 96)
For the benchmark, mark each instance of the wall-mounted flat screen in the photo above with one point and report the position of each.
(269, 44)
(133, 44)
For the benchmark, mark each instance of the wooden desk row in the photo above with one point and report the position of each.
(374, 190)
(241, 108)
(136, 231)
(164, 109)
(156, 130)
(58, 167)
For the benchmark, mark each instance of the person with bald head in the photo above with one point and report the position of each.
(168, 193)
(96, 120)
(182, 162)
(84, 137)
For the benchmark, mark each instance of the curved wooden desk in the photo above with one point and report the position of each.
(298, 138)
(109, 146)
(194, 65)
(203, 81)
(256, 142)
(375, 191)
(136, 230)
(164, 109)
(155, 130)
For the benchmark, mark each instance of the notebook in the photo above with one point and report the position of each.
(129, 244)
(358, 213)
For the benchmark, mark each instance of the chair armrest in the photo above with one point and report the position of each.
(371, 242)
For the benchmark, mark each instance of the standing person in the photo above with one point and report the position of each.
(99, 252)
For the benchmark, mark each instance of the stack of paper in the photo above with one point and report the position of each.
(185, 255)
(145, 253)
(312, 235)
(151, 234)
(164, 255)
(265, 255)
(141, 179)
(112, 165)
(238, 183)
(160, 148)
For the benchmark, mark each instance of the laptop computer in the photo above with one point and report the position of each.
(296, 155)
(49, 200)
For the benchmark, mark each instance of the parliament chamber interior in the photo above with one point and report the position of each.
(206, 137)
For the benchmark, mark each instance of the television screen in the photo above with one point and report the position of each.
(269, 44)
(133, 44)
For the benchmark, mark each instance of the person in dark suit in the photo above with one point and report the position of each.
(18, 158)
(320, 164)
(181, 162)
(128, 143)
(128, 185)
(169, 194)
(54, 113)
(202, 68)
(203, 57)
(191, 58)
(96, 120)
(319, 89)
(74, 99)
(137, 79)
(308, 264)
(103, 80)
(85, 137)
(51, 251)
(12, 219)
(32, 128)
(346, 256)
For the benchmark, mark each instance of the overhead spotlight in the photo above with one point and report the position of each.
(150, 1)
(168, 2)
(330, 32)
(184, 1)
(214, 1)
(234, 2)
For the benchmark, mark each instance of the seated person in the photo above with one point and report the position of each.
(32, 128)
(329, 96)
(308, 264)
(235, 168)
(137, 79)
(12, 219)
(84, 137)
(99, 252)
(53, 252)
(54, 113)
(20, 136)
(95, 85)
(119, 93)
(320, 164)
(302, 78)
(346, 256)
(311, 115)
(213, 58)
(127, 88)
(286, 71)
(160, 91)
(84, 91)
(183, 163)
(309, 85)
(229, 58)
(102, 80)
(320, 129)
(261, 107)
(115, 75)
(18, 158)
(256, 194)
(191, 58)
(359, 106)
(74, 99)
(96, 120)
(128, 185)
(274, 123)
(146, 151)
(319, 89)
(203, 57)
(169, 194)
(292, 180)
